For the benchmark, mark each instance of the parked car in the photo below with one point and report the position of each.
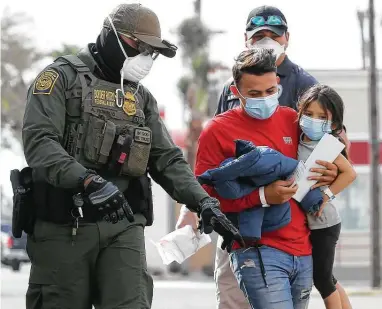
(13, 250)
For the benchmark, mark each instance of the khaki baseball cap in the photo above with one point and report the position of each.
(143, 24)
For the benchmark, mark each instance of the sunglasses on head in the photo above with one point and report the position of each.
(258, 21)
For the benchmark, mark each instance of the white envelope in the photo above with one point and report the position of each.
(327, 149)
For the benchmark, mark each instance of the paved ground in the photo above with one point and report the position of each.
(173, 294)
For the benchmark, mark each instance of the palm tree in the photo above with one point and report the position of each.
(194, 38)
(194, 87)
(66, 49)
(19, 55)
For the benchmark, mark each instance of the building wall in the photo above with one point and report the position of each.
(352, 85)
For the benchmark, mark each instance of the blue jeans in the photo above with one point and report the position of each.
(286, 285)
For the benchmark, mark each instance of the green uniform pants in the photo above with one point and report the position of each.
(104, 265)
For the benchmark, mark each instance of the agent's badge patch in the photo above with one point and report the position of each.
(129, 106)
(45, 82)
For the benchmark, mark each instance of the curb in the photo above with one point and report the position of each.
(356, 292)
(181, 283)
(371, 292)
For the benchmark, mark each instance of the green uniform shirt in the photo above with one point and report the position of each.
(43, 134)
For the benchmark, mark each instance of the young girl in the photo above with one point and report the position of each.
(321, 111)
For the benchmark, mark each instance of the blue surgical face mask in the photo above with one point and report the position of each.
(261, 108)
(315, 129)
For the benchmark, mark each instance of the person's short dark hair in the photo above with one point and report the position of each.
(256, 61)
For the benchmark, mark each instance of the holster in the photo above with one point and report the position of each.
(24, 210)
(140, 198)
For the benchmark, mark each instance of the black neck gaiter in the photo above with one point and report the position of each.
(109, 55)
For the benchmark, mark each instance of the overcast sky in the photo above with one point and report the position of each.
(324, 34)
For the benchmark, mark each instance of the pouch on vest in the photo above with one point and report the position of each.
(99, 140)
(132, 150)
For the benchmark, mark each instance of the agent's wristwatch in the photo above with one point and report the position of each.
(262, 198)
(329, 194)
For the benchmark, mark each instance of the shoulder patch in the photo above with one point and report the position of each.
(45, 82)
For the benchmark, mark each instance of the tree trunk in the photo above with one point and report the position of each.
(194, 129)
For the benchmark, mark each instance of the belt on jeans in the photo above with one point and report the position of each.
(262, 268)
(257, 247)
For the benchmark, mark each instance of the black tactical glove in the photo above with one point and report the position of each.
(107, 199)
(213, 219)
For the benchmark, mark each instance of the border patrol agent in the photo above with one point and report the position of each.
(91, 133)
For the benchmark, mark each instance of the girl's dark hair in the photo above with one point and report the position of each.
(330, 101)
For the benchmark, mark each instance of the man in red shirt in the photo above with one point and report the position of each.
(277, 273)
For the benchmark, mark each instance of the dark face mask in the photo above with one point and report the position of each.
(111, 54)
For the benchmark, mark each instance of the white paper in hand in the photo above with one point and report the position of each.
(181, 244)
(298, 173)
(328, 150)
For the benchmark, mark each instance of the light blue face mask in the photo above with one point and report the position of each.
(261, 108)
(315, 129)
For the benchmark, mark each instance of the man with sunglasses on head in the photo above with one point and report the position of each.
(266, 27)
(91, 135)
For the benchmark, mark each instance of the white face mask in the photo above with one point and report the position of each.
(268, 43)
(134, 68)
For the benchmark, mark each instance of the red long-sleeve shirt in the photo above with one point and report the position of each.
(280, 132)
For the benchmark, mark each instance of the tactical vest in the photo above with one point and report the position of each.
(105, 128)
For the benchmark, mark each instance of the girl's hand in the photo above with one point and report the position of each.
(326, 198)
